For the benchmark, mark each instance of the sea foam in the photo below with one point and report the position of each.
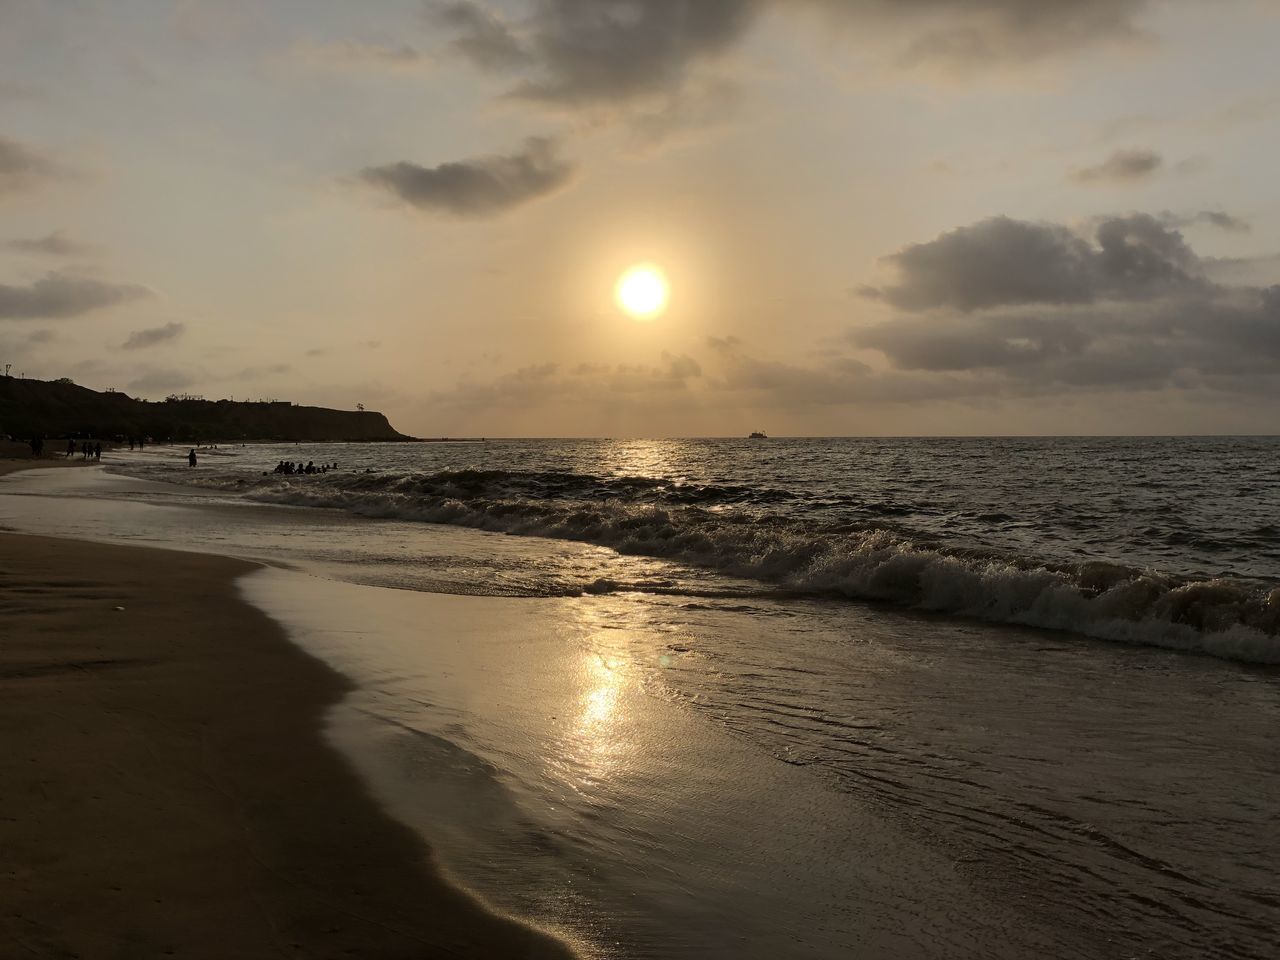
(1233, 619)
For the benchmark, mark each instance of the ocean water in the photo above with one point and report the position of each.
(1165, 541)
(829, 698)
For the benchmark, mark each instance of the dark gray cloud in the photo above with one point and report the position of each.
(1223, 221)
(587, 52)
(57, 295)
(1005, 262)
(971, 34)
(1194, 340)
(153, 336)
(1212, 218)
(22, 167)
(1261, 271)
(481, 35)
(1028, 308)
(592, 52)
(56, 244)
(1123, 166)
(479, 187)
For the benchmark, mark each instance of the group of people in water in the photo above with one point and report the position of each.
(92, 450)
(288, 467)
(88, 451)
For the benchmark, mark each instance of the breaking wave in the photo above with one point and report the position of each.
(698, 525)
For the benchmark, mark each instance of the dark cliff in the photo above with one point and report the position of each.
(60, 408)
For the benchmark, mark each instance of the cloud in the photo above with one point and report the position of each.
(57, 295)
(1023, 308)
(589, 53)
(724, 344)
(973, 34)
(1123, 166)
(479, 187)
(56, 244)
(1212, 218)
(352, 54)
(1004, 262)
(140, 339)
(261, 372)
(1199, 340)
(482, 36)
(1260, 271)
(23, 167)
(597, 384)
(585, 53)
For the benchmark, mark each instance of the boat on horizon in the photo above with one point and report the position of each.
(758, 435)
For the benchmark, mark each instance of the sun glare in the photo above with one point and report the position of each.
(642, 291)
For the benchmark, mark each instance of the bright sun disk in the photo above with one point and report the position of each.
(642, 291)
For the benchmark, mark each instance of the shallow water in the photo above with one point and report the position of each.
(1167, 542)
(696, 766)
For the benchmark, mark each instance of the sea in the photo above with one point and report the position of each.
(812, 698)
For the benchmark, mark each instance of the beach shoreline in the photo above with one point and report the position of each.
(168, 788)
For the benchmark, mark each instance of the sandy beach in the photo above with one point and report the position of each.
(323, 741)
(16, 456)
(166, 791)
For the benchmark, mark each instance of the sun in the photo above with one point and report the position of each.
(642, 291)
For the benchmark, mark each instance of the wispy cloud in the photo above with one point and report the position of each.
(1123, 166)
(23, 167)
(58, 295)
(153, 336)
(55, 244)
(355, 54)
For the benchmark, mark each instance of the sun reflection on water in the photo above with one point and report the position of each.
(600, 745)
(599, 742)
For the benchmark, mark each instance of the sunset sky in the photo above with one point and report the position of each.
(875, 217)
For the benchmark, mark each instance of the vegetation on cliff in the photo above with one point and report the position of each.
(60, 408)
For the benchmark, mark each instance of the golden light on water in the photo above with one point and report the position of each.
(601, 700)
(642, 291)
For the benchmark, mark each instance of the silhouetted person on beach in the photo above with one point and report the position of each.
(97, 451)
(37, 446)
(71, 448)
(191, 457)
(84, 450)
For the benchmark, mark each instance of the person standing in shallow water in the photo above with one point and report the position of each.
(191, 457)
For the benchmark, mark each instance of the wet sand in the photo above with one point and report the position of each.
(17, 456)
(165, 790)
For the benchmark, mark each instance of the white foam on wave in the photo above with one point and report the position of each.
(1222, 618)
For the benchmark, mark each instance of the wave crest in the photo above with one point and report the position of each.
(640, 516)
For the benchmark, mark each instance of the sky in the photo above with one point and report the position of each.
(922, 217)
